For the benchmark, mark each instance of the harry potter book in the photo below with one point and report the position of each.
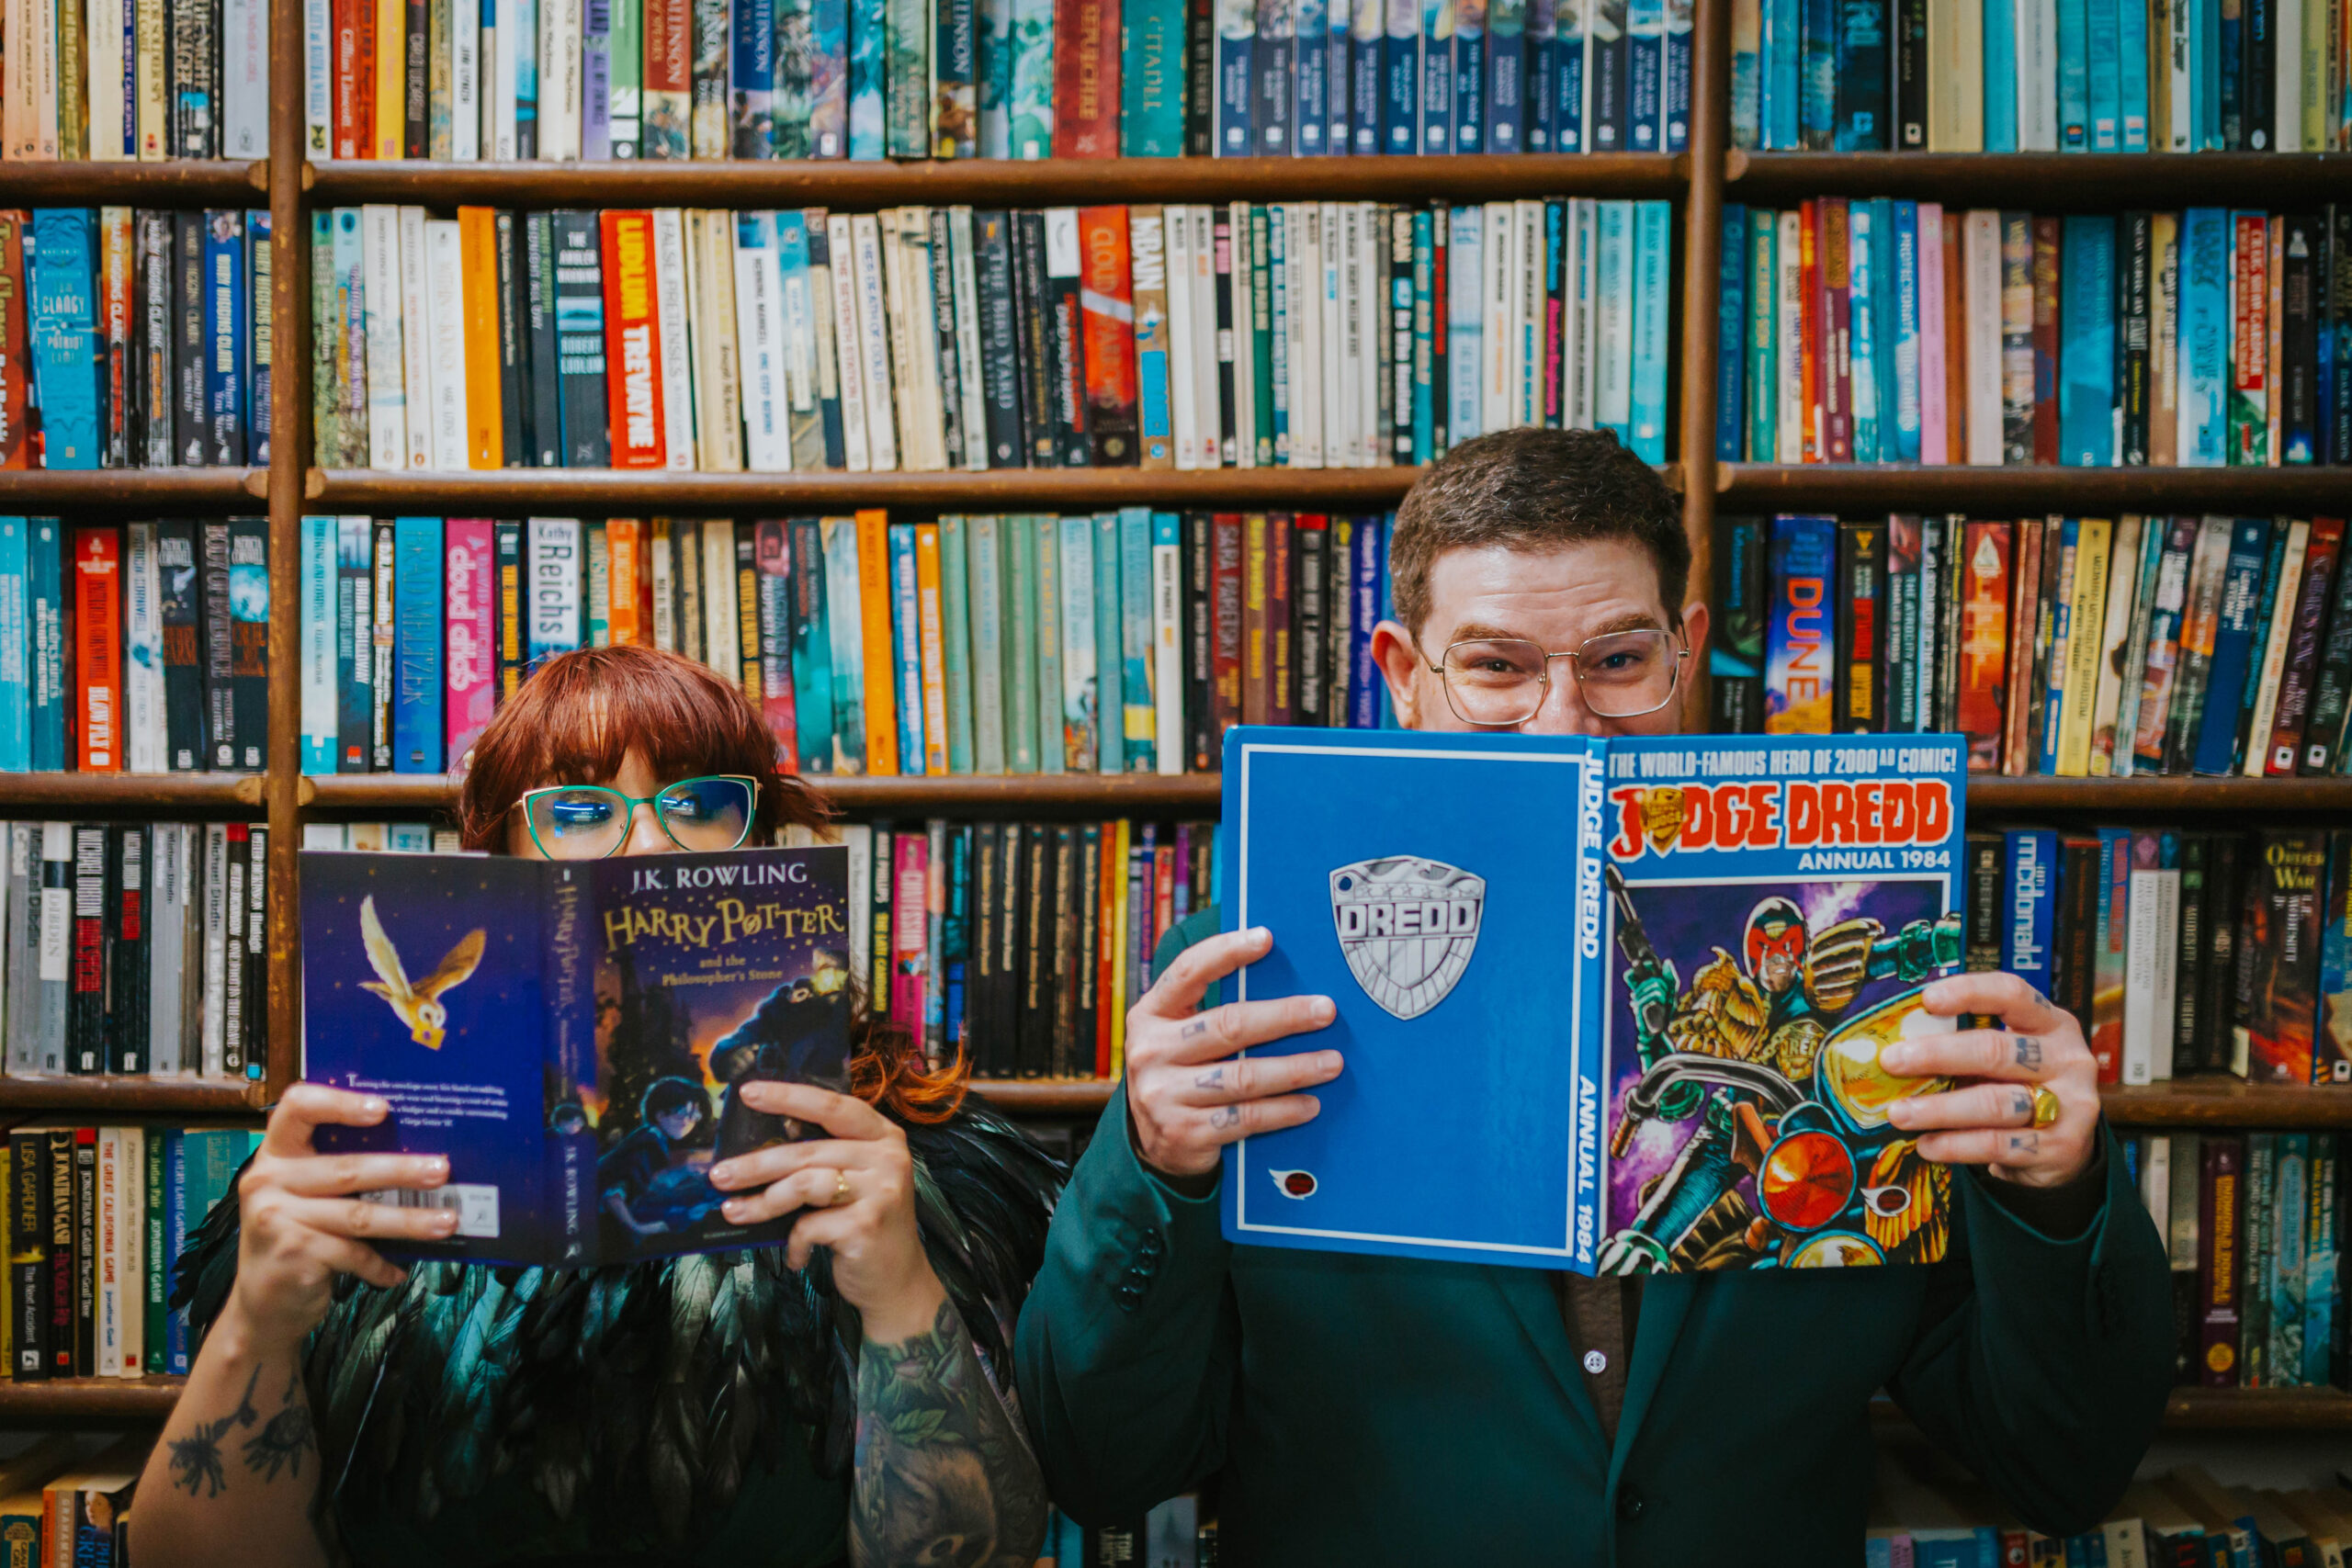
(1638, 990)
(575, 1035)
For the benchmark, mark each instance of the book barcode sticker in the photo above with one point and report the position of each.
(476, 1203)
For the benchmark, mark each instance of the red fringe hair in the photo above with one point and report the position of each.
(576, 719)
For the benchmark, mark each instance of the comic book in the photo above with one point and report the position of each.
(1604, 1005)
(574, 1035)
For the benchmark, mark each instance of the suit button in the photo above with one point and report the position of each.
(1629, 1503)
(1130, 1296)
(1144, 1268)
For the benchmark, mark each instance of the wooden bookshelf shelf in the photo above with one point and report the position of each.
(87, 1402)
(133, 492)
(1045, 1097)
(2045, 182)
(2260, 1410)
(180, 181)
(130, 794)
(994, 183)
(2007, 491)
(2218, 1100)
(2129, 796)
(131, 1095)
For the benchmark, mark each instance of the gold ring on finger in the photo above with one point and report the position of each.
(2046, 1105)
(840, 1189)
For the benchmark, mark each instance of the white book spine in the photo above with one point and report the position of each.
(2180, 117)
(1343, 361)
(445, 341)
(964, 268)
(150, 71)
(1200, 283)
(767, 446)
(56, 946)
(2164, 1039)
(661, 567)
(216, 946)
(2286, 94)
(167, 870)
(1527, 312)
(1576, 357)
(488, 70)
(901, 331)
(2144, 954)
(1373, 303)
(465, 83)
(1613, 321)
(416, 341)
(1307, 369)
(108, 1258)
(2037, 64)
(858, 839)
(1980, 243)
(710, 304)
(1167, 658)
(108, 51)
(133, 1212)
(1934, 341)
(1331, 325)
(504, 87)
(560, 76)
(142, 651)
(245, 78)
(1183, 409)
(874, 337)
(2274, 655)
(318, 78)
(721, 648)
(922, 433)
(848, 342)
(320, 591)
(552, 556)
(1240, 344)
(670, 313)
(380, 268)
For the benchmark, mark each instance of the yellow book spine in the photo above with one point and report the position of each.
(1118, 999)
(391, 78)
(478, 244)
(2086, 623)
(874, 614)
(932, 634)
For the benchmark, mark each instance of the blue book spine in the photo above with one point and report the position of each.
(1338, 76)
(1883, 322)
(1674, 99)
(1464, 306)
(1861, 274)
(1139, 725)
(2061, 625)
(1110, 647)
(225, 302)
(45, 597)
(1152, 80)
(1275, 69)
(16, 651)
(63, 330)
(2102, 73)
(1651, 240)
(1861, 113)
(1570, 51)
(1367, 78)
(1905, 364)
(2029, 914)
(1364, 685)
(2000, 75)
(1437, 77)
(1400, 78)
(257, 368)
(1506, 76)
(1425, 396)
(176, 1225)
(2217, 735)
(752, 80)
(416, 612)
(906, 646)
(1731, 346)
(2131, 47)
(1781, 61)
(320, 729)
(1800, 629)
(2205, 35)
(1612, 278)
(1387, 610)
(1645, 72)
(1237, 33)
(2086, 342)
(2074, 89)
(1311, 61)
(1542, 75)
(868, 24)
(1469, 75)
(1763, 334)
(993, 77)
(1817, 76)
(2204, 374)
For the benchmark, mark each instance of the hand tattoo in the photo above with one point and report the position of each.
(286, 1436)
(2029, 1050)
(1213, 1079)
(2021, 1104)
(1193, 1029)
(943, 1471)
(1225, 1116)
(195, 1459)
(2025, 1143)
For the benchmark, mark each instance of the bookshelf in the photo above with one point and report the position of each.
(1698, 182)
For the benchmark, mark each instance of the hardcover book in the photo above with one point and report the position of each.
(1745, 923)
(575, 1035)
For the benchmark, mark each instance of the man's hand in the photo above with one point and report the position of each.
(1186, 1097)
(1989, 1120)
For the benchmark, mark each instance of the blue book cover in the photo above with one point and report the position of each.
(1783, 69)
(1311, 53)
(1570, 53)
(1817, 74)
(1653, 225)
(1275, 67)
(2030, 911)
(1367, 77)
(225, 304)
(2074, 88)
(1645, 74)
(1800, 625)
(1674, 105)
(1861, 118)
(868, 22)
(1763, 334)
(2087, 342)
(2291, 1237)
(175, 1226)
(63, 326)
(1542, 75)
(257, 363)
(906, 646)
(2061, 628)
(1152, 80)
(45, 624)
(752, 80)
(1882, 322)
(993, 75)
(1906, 365)
(1469, 75)
(1237, 32)
(416, 660)
(2234, 652)
(2103, 74)
(1731, 343)
(1110, 646)
(1437, 77)
(1365, 686)
(1580, 1096)
(590, 1022)
(319, 624)
(1864, 260)
(1400, 78)
(1506, 76)
(2000, 75)
(2205, 75)
(1426, 398)
(2132, 51)
(2204, 351)
(1139, 723)
(15, 651)
(1338, 76)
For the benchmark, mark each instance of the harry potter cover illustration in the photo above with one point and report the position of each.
(575, 1036)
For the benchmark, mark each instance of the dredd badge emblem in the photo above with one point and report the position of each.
(1408, 926)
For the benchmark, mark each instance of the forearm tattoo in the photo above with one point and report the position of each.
(943, 1471)
(198, 1461)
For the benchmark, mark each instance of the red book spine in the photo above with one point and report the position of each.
(631, 341)
(1110, 336)
(114, 286)
(1163, 903)
(909, 929)
(470, 636)
(1837, 335)
(355, 77)
(16, 366)
(2220, 1262)
(1086, 79)
(2249, 338)
(2047, 238)
(1282, 642)
(2025, 605)
(98, 646)
(1984, 641)
(1225, 620)
(2321, 561)
(669, 48)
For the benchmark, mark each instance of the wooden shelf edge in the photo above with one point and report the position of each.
(118, 491)
(180, 181)
(131, 1093)
(2258, 1410)
(1907, 487)
(209, 795)
(88, 1400)
(1045, 1097)
(2073, 181)
(2218, 1100)
(2137, 793)
(989, 182)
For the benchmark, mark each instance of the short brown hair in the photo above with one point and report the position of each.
(1533, 489)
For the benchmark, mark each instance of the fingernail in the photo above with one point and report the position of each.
(1896, 1059)
(734, 1209)
(1324, 1009)
(373, 1107)
(444, 1222)
(437, 1166)
(722, 1176)
(1899, 1112)
(1260, 934)
(1327, 1063)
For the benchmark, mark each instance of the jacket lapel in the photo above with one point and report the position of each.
(1534, 1300)
(1666, 1302)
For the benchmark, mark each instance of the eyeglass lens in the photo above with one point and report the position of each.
(588, 821)
(1500, 682)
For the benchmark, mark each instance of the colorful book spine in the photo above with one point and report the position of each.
(1798, 628)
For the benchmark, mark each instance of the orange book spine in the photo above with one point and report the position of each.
(1107, 309)
(1163, 902)
(632, 334)
(1984, 641)
(1809, 356)
(97, 647)
(624, 556)
(1106, 945)
(2025, 610)
(478, 244)
(933, 641)
(881, 660)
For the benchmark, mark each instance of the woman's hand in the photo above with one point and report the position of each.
(1989, 1120)
(858, 1190)
(301, 1226)
(1185, 1099)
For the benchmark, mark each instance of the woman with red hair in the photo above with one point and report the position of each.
(846, 1398)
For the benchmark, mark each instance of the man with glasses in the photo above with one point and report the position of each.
(1365, 1410)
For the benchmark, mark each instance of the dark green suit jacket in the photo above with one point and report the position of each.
(1361, 1411)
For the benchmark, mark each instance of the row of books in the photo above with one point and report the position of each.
(96, 1216)
(128, 338)
(59, 1504)
(2069, 646)
(1925, 1510)
(2254, 1228)
(1307, 334)
(1887, 330)
(134, 646)
(1119, 642)
(871, 79)
(146, 80)
(2040, 76)
(134, 947)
